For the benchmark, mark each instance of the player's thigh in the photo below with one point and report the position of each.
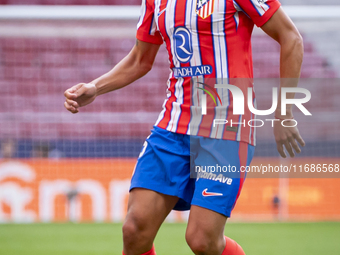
(217, 188)
(147, 209)
(205, 224)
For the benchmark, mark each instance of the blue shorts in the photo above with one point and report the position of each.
(199, 171)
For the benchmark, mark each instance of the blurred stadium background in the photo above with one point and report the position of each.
(58, 167)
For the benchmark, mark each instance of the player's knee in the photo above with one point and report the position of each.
(130, 232)
(197, 246)
(201, 244)
(135, 231)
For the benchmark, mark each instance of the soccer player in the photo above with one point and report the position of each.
(205, 39)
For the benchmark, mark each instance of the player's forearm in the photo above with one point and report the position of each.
(125, 72)
(291, 56)
(290, 67)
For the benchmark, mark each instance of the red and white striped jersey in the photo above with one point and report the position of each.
(205, 39)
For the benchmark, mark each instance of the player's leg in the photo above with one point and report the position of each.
(147, 210)
(160, 183)
(218, 184)
(205, 233)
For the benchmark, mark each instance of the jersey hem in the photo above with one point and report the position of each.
(148, 38)
(268, 14)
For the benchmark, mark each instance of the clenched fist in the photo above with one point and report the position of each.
(79, 95)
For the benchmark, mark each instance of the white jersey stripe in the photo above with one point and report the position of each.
(196, 60)
(170, 24)
(217, 56)
(189, 12)
(225, 95)
(220, 62)
(237, 19)
(157, 11)
(153, 28)
(251, 129)
(142, 14)
(176, 106)
(161, 115)
(179, 89)
(258, 7)
(240, 126)
(239, 9)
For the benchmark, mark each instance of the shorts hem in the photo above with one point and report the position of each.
(161, 189)
(214, 208)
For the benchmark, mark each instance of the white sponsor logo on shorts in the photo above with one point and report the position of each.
(214, 177)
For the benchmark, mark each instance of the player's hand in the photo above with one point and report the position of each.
(79, 95)
(289, 137)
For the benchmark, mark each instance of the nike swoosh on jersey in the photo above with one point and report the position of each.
(205, 193)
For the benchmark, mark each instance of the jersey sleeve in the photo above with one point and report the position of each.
(260, 11)
(146, 27)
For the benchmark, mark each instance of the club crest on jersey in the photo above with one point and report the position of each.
(204, 8)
